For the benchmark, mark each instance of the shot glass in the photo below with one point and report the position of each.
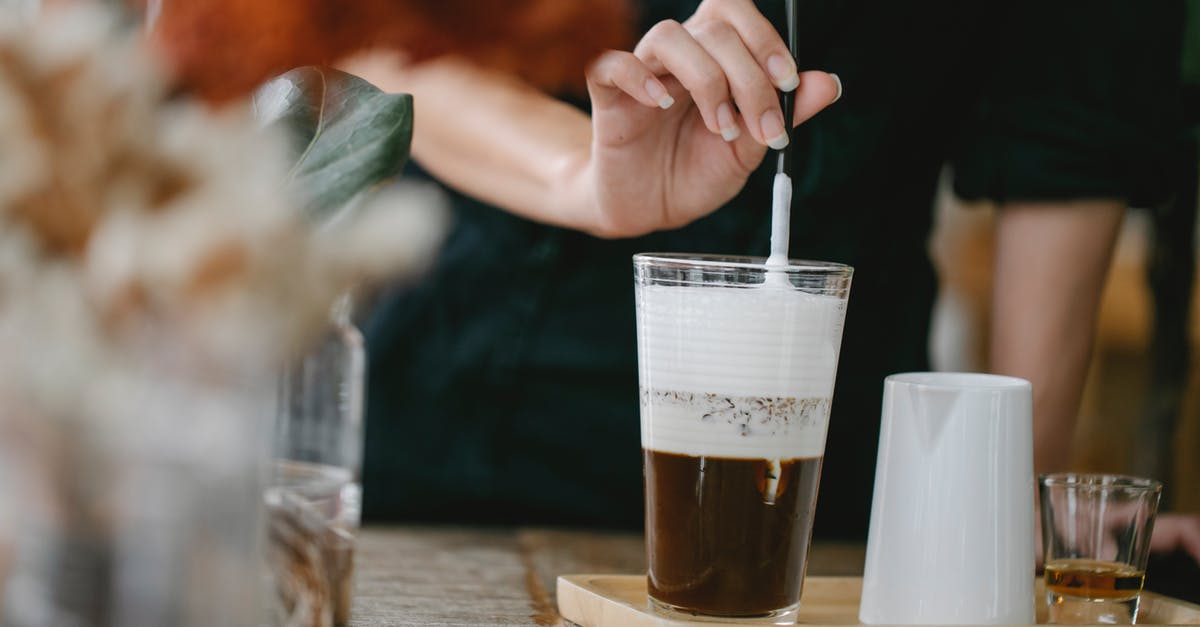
(1096, 535)
(736, 364)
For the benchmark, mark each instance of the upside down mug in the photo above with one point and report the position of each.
(951, 529)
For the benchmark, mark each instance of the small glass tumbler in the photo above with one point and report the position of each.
(1096, 535)
(313, 498)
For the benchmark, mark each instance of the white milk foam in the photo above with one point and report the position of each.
(736, 372)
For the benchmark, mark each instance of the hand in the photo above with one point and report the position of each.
(679, 124)
(1177, 531)
(1172, 532)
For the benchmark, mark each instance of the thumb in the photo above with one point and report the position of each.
(817, 90)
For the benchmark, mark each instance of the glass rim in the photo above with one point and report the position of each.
(743, 262)
(1096, 482)
(958, 380)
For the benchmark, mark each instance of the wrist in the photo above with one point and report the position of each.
(576, 198)
(598, 208)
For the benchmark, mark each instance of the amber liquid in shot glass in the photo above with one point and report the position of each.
(1096, 534)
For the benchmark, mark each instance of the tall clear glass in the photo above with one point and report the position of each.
(1096, 536)
(314, 496)
(736, 365)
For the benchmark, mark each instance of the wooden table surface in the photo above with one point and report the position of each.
(462, 576)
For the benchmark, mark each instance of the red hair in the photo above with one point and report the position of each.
(222, 49)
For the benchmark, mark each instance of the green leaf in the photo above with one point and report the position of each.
(348, 135)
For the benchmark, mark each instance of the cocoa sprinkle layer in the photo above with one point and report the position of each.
(760, 415)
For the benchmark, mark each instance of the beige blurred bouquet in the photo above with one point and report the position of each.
(128, 217)
(162, 254)
(158, 260)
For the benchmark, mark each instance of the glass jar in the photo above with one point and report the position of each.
(137, 505)
(313, 497)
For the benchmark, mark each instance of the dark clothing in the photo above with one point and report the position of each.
(503, 387)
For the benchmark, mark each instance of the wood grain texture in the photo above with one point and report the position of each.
(440, 576)
(467, 576)
(620, 601)
(615, 600)
(1155, 608)
(550, 553)
(456, 576)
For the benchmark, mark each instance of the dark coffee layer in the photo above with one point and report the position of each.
(724, 538)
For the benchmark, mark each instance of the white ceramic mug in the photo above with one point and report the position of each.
(951, 533)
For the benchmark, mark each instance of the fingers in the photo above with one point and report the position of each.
(750, 86)
(731, 90)
(816, 91)
(1177, 531)
(1191, 538)
(615, 73)
(669, 48)
(731, 60)
(761, 40)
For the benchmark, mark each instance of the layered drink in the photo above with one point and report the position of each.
(736, 376)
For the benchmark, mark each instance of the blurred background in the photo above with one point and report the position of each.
(1143, 385)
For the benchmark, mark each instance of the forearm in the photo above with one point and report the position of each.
(493, 137)
(676, 126)
(1050, 267)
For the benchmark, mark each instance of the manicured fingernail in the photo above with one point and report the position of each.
(837, 80)
(659, 94)
(783, 72)
(772, 129)
(729, 127)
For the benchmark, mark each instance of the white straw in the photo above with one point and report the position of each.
(781, 210)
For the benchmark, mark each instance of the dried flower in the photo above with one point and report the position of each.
(224, 48)
(153, 275)
(137, 231)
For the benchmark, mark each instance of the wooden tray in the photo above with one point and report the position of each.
(620, 601)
